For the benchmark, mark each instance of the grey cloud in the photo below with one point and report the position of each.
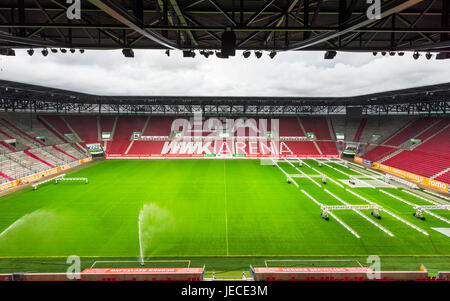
(289, 74)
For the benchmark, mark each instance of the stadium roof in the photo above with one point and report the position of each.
(341, 25)
(16, 90)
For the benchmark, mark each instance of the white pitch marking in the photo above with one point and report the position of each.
(334, 216)
(365, 175)
(303, 173)
(390, 213)
(342, 172)
(438, 195)
(415, 205)
(420, 197)
(285, 173)
(361, 214)
(331, 179)
(396, 197)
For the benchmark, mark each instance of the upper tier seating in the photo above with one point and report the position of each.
(304, 148)
(409, 131)
(85, 127)
(360, 130)
(58, 123)
(290, 127)
(434, 129)
(159, 126)
(318, 126)
(125, 127)
(439, 144)
(107, 123)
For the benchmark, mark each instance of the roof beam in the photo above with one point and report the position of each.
(124, 17)
(224, 13)
(388, 9)
(182, 20)
(256, 15)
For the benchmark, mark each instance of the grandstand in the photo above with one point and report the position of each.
(388, 197)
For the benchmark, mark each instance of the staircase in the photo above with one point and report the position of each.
(391, 155)
(385, 141)
(99, 132)
(22, 133)
(440, 173)
(52, 129)
(78, 139)
(114, 128)
(432, 136)
(333, 133)
(360, 130)
(304, 131)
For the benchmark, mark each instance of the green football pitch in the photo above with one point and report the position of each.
(214, 211)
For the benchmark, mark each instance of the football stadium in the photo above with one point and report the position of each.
(225, 187)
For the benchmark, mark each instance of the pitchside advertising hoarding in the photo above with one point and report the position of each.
(407, 175)
(37, 176)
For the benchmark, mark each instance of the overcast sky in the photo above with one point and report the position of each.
(288, 74)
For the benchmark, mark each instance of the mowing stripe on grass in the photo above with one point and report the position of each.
(334, 216)
(391, 214)
(365, 217)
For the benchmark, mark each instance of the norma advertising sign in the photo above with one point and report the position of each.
(408, 175)
(358, 159)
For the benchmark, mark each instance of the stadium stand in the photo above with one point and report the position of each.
(360, 130)
(424, 164)
(290, 127)
(327, 147)
(146, 148)
(125, 127)
(84, 126)
(304, 148)
(409, 131)
(438, 144)
(59, 127)
(445, 177)
(428, 157)
(158, 126)
(318, 126)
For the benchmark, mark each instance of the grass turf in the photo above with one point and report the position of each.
(206, 209)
